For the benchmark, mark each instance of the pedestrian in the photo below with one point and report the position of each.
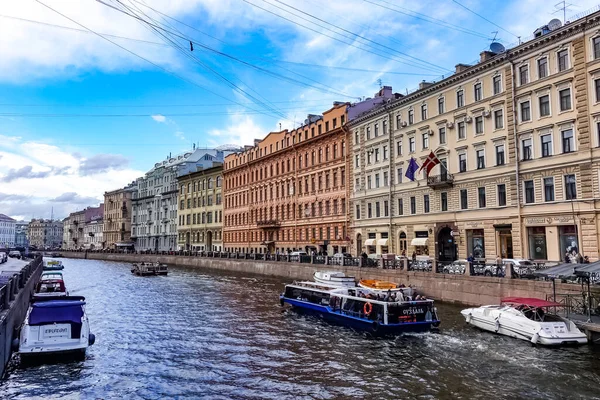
(567, 257)
(414, 256)
(579, 258)
(470, 258)
(586, 260)
(404, 253)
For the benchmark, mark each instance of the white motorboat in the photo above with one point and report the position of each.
(55, 326)
(527, 319)
(334, 278)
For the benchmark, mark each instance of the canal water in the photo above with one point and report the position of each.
(200, 334)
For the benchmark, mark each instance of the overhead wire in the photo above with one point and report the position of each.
(145, 59)
(484, 18)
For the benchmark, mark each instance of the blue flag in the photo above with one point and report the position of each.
(412, 168)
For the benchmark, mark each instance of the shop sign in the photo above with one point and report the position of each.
(548, 220)
(474, 224)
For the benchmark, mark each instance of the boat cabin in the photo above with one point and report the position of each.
(534, 309)
(50, 286)
(69, 313)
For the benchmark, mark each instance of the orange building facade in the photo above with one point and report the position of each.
(290, 190)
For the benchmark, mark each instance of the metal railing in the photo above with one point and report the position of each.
(10, 287)
(578, 304)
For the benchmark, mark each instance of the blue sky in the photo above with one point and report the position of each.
(80, 115)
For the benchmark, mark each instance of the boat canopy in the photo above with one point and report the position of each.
(56, 311)
(569, 270)
(587, 270)
(530, 301)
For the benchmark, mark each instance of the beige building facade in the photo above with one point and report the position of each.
(518, 137)
(200, 211)
(117, 218)
(45, 233)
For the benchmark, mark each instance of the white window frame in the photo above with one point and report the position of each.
(477, 150)
(592, 47)
(539, 96)
(425, 138)
(569, 64)
(440, 135)
(544, 189)
(525, 191)
(480, 83)
(443, 98)
(475, 125)
(563, 128)
(424, 108)
(521, 147)
(463, 98)
(414, 142)
(501, 83)
(537, 66)
(560, 89)
(401, 147)
(496, 145)
(521, 101)
(496, 128)
(524, 65)
(462, 153)
(542, 134)
(464, 124)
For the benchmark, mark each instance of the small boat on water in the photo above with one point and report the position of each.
(50, 287)
(149, 269)
(51, 275)
(334, 279)
(54, 265)
(361, 308)
(55, 326)
(384, 286)
(527, 319)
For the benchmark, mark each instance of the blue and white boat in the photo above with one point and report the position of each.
(362, 308)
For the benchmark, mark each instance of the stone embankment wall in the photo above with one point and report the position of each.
(470, 290)
(14, 302)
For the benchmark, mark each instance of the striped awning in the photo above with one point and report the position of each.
(419, 242)
(370, 242)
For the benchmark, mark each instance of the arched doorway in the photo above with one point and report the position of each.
(359, 244)
(403, 247)
(209, 236)
(446, 249)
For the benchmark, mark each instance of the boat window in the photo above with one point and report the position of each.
(409, 313)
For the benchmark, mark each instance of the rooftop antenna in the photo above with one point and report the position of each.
(379, 83)
(280, 126)
(52, 214)
(562, 6)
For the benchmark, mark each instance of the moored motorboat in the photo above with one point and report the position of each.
(385, 286)
(527, 319)
(149, 269)
(362, 308)
(54, 265)
(55, 326)
(334, 279)
(51, 287)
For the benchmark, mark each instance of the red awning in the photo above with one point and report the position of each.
(530, 301)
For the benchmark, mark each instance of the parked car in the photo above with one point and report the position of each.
(3, 257)
(340, 258)
(15, 254)
(296, 256)
(521, 268)
(456, 267)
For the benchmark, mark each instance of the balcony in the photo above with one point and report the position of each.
(440, 181)
(271, 223)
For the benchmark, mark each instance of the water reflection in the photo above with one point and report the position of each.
(197, 334)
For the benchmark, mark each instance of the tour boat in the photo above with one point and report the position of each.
(54, 265)
(384, 286)
(51, 275)
(361, 308)
(50, 288)
(55, 326)
(149, 269)
(527, 319)
(334, 278)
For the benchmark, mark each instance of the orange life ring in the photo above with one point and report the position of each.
(368, 309)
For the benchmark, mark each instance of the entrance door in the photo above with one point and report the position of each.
(209, 241)
(187, 240)
(445, 245)
(506, 246)
(359, 244)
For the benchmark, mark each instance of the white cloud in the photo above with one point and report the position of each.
(240, 130)
(159, 118)
(180, 135)
(40, 176)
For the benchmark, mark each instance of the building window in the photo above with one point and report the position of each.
(478, 125)
(386, 208)
(385, 178)
(356, 160)
(384, 126)
(462, 134)
(597, 87)
(500, 155)
(542, 65)
(537, 242)
(369, 185)
(523, 74)
(377, 209)
(570, 187)
(460, 99)
(423, 112)
(377, 155)
(498, 119)
(411, 144)
(529, 192)
(444, 201)
(358, 211)
(481, 159)
(442, 135)
(411, 117)
(441, 105)
(481, 197)
(526, 147)
(462, 162)
(546, 145)
(400, 207)
(413, 205)
(426, 203)
(368, 132)
(563, 60)
(501, 195)
(544, 106)
(565, 99)
(398, 121)
(596, 44)
(369, 210)
(399, 175)
(568, 143)
(385, 153)
(525, 111)
(464, 202)
(425, 140)
(477, 92)
(376, 129)
(497, 80)
(549, 189)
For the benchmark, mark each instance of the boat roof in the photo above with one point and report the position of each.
(74, 299)
(530, 301)
(58, 303)
(52, 280)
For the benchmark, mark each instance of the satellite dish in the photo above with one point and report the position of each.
(497, 48)
(554, 24)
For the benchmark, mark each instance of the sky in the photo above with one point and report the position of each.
(93, 93)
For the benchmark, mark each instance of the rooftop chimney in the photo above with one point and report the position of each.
(461, 67)
(485, 55)
(424, 84)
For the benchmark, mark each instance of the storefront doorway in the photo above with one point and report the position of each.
(476, 243)
(445, 245)
(506, 245)
(359, 245)
(536, 236)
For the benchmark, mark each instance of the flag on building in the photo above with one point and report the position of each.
(412, 169)
(431, 162)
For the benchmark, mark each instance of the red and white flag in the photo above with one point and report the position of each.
(431, 162)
